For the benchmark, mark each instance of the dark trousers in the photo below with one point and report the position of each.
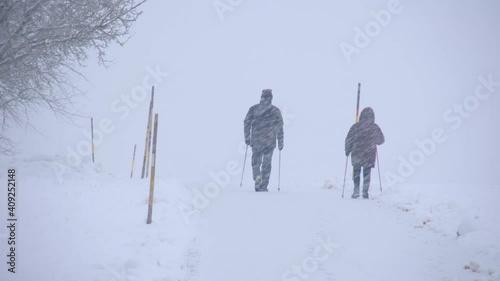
(261, 165)
(366, 179)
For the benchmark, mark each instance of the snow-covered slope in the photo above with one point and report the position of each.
(92, 226)
(313, 234)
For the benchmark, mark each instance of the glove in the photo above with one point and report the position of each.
(280, 146)
(247, 141)
(347, 153)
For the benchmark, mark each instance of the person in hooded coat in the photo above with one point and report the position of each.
(263, 125)
(361, 142)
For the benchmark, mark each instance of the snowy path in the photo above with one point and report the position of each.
(91, 227)
(254, 236)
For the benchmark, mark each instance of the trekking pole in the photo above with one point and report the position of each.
(244, 163)
(133, 161)
(345, 173)
(378, 166)
(92, 134)
(357, 114)
(279, 173)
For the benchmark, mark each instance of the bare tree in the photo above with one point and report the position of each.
(42, 45)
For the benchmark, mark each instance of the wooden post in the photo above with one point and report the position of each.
(145, 150)
(152, 177)
(92, 136)
(150, 129)
(148, 132)
(133, 160)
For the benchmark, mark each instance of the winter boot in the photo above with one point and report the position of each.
(258, 182)
(365, 195)
(356, 193)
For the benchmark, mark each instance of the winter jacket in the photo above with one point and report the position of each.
(263, 125)
(362, 139)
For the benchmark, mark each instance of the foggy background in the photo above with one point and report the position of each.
(425, 61)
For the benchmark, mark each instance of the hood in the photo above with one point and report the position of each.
(367, 115)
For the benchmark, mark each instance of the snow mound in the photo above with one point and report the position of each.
(465, 214)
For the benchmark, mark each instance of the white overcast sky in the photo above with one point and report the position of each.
(427, 59)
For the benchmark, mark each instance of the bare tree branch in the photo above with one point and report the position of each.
(42, 42)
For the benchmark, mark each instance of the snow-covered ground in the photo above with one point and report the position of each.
(90, 225)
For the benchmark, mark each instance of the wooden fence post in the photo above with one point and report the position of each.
(152, 176)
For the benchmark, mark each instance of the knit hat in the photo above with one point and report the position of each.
(267, 94)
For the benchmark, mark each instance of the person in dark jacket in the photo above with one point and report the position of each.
(263, 125)
(361, 142)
